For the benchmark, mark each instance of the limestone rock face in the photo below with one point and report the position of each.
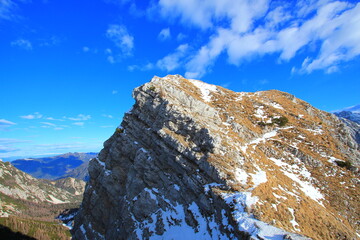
(197, 161)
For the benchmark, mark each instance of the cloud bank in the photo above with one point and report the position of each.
(324, 33)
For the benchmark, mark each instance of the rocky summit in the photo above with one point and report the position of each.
(197, 161)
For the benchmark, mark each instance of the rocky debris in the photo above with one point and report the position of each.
(197, 161)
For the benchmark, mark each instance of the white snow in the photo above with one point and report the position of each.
(293, 221)
(152, 196)
(294, 172)
(208, 186)
(316, 131)
(204, 88)
(333, 160)
(241, 175)
(259, 113)
(177, 188)
(143, 150)
(176, 227)
(263, 138)
(246, 222)
(258, 177)
(100, 162)
(278, 196)
(83, 231)
(276, 105)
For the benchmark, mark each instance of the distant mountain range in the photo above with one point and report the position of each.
(351, 113)
(56, 167)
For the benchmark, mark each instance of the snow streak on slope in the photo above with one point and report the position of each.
(247, 223)
(296, 173)
(205, 89)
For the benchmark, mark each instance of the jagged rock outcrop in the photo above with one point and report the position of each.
(197, 161)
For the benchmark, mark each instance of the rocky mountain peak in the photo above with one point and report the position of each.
(198, 161)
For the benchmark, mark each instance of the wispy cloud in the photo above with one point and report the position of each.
(54, 119)
(22, 43)
(107, 116)
(49, 124)
(122, 39)
(164, 34)
(146, 67)
(35, 115)
(78, 123)
(80, 117)
(7, 145)
(5, 124)
(7, 8)
(173, 60)
(114, 92)
(326, 32)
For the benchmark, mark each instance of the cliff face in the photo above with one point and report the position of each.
(197, 161)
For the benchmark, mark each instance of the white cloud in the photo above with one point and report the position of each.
(164, 34)
(78, 123)
(119, 35)
(49, 124)
(107, 115)
(341, 43)
(80, 117)
(22, 43)
(326, 32)
(180, 36)
(173, 60)
(86, 49)
(4, 124)
(114, 92)
(32, 116)
(54, 119)
(7, 9)
(145, 67)
(108, 51)
(111, 59)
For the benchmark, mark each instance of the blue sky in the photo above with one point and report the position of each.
(67, 68)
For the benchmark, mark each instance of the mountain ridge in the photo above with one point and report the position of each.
(206, 162)
(56, 167)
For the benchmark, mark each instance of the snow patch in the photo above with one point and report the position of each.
(293, 222)
(241, 175)
(83, 231)
(294, 172)
(246, 222)
(204, 88)
(208, 186)
(259, 112)
(175, 226)
(258, 177)
(263, 138)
